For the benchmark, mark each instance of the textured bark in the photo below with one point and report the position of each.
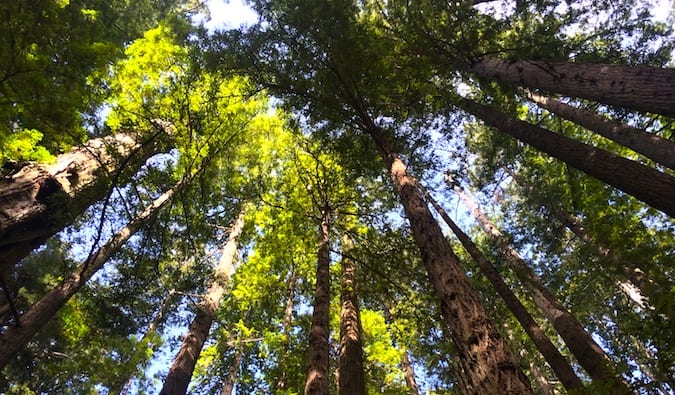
(350, 360)
(640, 88)
(409, 372)
(587, 352)
(654, 147)
(645, 183)
(231, 380)
(180, 372)
(319, 350)
(39, 200)
(490, 366)
(555, 359)
(16, 337)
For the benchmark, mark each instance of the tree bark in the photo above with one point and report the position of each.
(17, 336)
(555, 359)
(350, 360)
(288, 319)
(319, 350)
(409, 372)
(180, 372)
(588, 353)
(640, 88)
(645, 183)
(654, 147)
(490, 366)
(228, 386)
(39, 200)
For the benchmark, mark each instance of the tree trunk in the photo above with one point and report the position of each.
(409, 372)
(228, 386)
(16, 337)
(38, 201)
(645, 183)
(319, 350)
(654, 147)
(588, 353)
(490, 366)
(350, 359)
(180, 372)
(640, 88)
(288, 319)
(555, 359)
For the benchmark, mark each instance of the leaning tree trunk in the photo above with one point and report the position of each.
(490, 366)
(17, 336)
(350, 361)
(654, 147)
(319, 348)
(640, 88)
(645, 183)
(180, 372)
(587, 352)
(37, 201)
(555, 359)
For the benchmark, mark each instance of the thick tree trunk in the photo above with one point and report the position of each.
(490, 366)
(319, 350)
(180, 372)
(645, 183)
(640, 88)
(350, 360)
(16, 337)
(409, 372)
(654, 147)
(39, 200)
(555, 359)
(588, 353)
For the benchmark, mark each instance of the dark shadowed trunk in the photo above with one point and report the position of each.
(587, 352)
(555, 359)
(350, 359)
(180, 372)
(490, 366)
(37, 201)
(319, 349)
(645, 183)
(654, 147)
(640, 88)
(16, 336)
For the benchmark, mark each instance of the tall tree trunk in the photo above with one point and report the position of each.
(319, 350)
(645, 183)
(288, 320)
(37, 201)
(555, 359)
(490, 366)
(16, 337)
(350, 360)
(588, 353)
(640, 88)
(180, 372)
(409, 372)
(231, 380)
(654, 147)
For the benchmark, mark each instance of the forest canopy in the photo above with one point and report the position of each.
(341, 197)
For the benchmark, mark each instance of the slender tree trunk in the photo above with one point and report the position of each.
(555, 359)
(350, 360)
(180, 372)
(409, 372)
(490, 366)
(288, 320)
(645, 183)
(654, 147)
(640, 88)
(319, 350)
(588, 353)
(16, 337)
(228, 386)
(37, 201)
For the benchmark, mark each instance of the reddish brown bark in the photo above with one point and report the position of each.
(555, 359)
(654, 147)
(350, 360)
(641, 88)
(645, 183)
(319, 348)
(587, 352)
(180, 372)
(490, 366)
(16, 337)
(39, 200)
